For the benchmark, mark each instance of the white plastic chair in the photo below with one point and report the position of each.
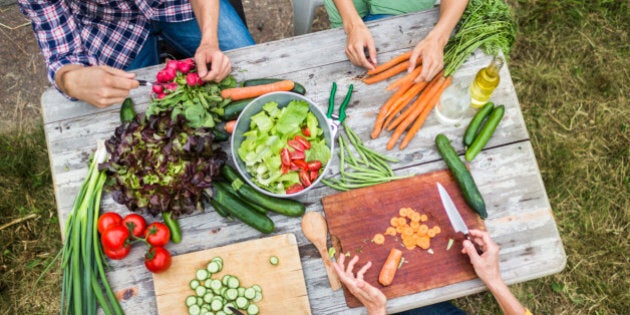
(303, 12)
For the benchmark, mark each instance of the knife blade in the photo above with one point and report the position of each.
(453, 215)
(236, 311)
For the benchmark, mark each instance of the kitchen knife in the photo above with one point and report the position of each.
(145, 83)
(236, 311)
(453, 215)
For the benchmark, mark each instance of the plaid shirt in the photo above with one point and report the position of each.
(97, 32)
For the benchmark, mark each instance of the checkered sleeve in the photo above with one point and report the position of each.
(56, 32)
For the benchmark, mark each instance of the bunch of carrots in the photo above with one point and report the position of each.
(410, 105)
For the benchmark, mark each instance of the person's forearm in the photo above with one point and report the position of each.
(207, 14)
(450, 13)
(349, 14)
(507, 301)
(61, 79)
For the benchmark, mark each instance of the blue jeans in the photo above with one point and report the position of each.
(186, 36)
(442, 308)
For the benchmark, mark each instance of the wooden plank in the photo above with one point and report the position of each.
(355, 216)
(283, 286)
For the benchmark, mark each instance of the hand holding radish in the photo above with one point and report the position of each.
(212, 64)
(373, 299)
(100, 86)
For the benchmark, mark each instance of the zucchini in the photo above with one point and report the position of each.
(462, 175)
(220, 209)
(240, 210)
(233, 109)
(127, 112)
(485, 133)
(288, 207)
(297, 88)
(475, 124)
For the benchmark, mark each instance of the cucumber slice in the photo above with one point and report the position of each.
(213, 267)
(194, 283)
(242, 303)
(258, 297)
(257, 288)
(216, 305)
(208, 297)
(194, 310)
(274, 260)
(202, 274)
(201, 291)
(233, 282)
(231, 294)
(252, 309)
(250, 293)
(191, 300)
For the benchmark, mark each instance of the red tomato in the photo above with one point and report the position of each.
(314, 175)
(314, 165)
(306, 131)
(294, 188)
(300, 164)
(285, 157)
(297, 145)
(284, 169)
(157, 234)
(297, 155)
(157, 259)
(108, 219)
(117, 253)
(115, 237)
(136, 223)
(305, 177)
(305, 143)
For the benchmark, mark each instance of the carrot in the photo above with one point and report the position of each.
(229, 126)
(392, 62)
(386, 109)
(409, 77)
(404, 100)
(378, 239)
(423, 116)
(388, 271)
(430, 86)
(240, 93)
(405, 119)
(387, 73)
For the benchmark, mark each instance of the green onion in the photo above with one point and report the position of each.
(85, 285)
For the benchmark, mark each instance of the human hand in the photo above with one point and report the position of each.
(371, 297)
(220, 65)
(486, 265)
(430, 52)
(100, 86)
(360, 38)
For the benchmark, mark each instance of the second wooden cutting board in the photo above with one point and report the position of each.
(355, 216)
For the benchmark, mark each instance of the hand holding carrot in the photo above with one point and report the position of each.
(432, 55)
(373, 299)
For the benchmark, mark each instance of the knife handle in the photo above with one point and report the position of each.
(477, 247)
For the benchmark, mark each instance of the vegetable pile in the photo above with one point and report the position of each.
(285, 148)
(180, 90)
(161, 164)
(413, 229)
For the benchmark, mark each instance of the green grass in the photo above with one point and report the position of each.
(571, 69)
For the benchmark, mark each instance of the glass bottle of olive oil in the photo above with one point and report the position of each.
(486, 80)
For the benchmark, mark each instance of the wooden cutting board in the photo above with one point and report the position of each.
(283, 285)
(354, 217)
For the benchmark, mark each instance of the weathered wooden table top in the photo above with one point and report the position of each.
(520, 217)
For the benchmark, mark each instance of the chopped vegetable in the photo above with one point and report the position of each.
(412, 233)
(378, 239)
(450, 244)
(331, 252)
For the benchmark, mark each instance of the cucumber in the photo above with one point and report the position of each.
(220, 209)
(127, 112)
(240, 210)
(233, 109)
(462, 175)
(298, 88)
(485, 133)
(475, 124)
(288, 207)
(220, 134)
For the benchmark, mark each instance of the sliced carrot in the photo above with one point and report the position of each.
(378, 239)
(403, 212)
(409, 77)
(415, 217)
(388, 271)
(423, 218)
(437, 229)
(423, 229)
(424, 242)
(423, 116)
(387, 73)
(390, 231)
(393, 221)
(239, 93)
(392, 62)
(431, 233)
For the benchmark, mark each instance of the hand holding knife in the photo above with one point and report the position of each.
(453, 215)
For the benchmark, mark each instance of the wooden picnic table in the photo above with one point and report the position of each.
(520, 216)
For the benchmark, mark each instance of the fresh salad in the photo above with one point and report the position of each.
(284, 150)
